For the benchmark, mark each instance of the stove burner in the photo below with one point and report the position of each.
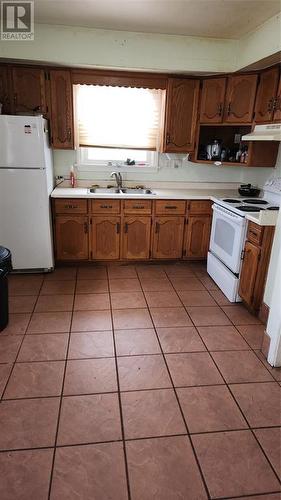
(230, 200)
(256, 202)
(273, 208)
(248, 208)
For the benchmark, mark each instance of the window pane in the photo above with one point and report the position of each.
(107, 154)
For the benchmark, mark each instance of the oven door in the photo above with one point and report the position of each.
(227, 237)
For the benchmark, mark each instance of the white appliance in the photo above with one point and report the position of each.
(269, 132)
(26, 182)
(229, 232)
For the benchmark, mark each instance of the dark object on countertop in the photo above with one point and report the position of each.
(130, 162)
(248, 190)
(5, 268)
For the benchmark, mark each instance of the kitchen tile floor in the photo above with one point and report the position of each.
(135, 382)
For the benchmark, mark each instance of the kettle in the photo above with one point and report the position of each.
(214, 150)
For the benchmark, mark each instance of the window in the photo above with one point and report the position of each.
(108, 158)
(117, 123)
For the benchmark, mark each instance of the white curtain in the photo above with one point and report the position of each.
(118, 117)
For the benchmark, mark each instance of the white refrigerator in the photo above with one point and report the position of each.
(26, 182)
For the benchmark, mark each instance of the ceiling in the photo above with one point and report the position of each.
(205, 18)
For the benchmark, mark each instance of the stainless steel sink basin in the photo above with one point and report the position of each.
(141, 191)
(104, 190)
(126, 191)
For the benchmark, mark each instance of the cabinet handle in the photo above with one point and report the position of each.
(138, 206)
(220, 109)
(69, 134)
(168, 138)
(254, 233)
(71, 206)
(277, 103)
(106, 206)
(126, 227)
(271, 104)
(229, 109)
(242, 254)
(157, 227)
(118, 227)
(86, 227)
(171, 207)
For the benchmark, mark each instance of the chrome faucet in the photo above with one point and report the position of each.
(118, 179)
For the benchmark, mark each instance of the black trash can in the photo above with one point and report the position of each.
(5, 268)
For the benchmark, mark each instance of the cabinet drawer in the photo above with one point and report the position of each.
(137, 206)
(170, 207)
(105, 206)
(198, 207)
(74, 206)
(255, 233)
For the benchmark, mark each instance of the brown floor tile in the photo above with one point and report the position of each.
(208, 316)
(92, 302)
(207, 282)
(28, 423)
(197, 298)
(91, 345)
(180, 339)
(253, 334)
(270, 440)
(22, 303)
(275, 372)
(9, 346)
(240, 316)
(89, 376)
(50, 322)
(89, 419)
(121, 272)
(25, 284)
(95, 472)
(151, 413)
(126, 285)
(164, 468)
(221, 299)
(127, 300)
(90, 321)
(222, 338)
(58, 288)
(92, 286)
(92, 272)
(267, 496)
(260, 403)
(17, 324)
(209, 409)
(141, 341)
(124, 319)
(241, 366)
(192, 369)
(162, 299)
(43, 347)
(233, 464)
(25, 474)
(186, 283)
(152, 272)
(62, 273)
(30, 380)
(54, 303)
(170, 317)
(5, 371)
(143, 372)
(175, 271)
(156, 285)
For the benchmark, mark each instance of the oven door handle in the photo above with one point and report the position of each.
(237, 219)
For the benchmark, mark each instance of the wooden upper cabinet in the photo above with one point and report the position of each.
(105, 237)
(277, 107)
(212, 100)
(136, 238)
(197, 235)
(240, 99)
(28, 90)
(71, 237)
(61, 109)
(5, 89)
(181, 115)
(249, 272)
(266, 93)
(168, 237)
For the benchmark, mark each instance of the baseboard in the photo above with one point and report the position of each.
(263, 313)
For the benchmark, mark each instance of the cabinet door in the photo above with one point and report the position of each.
(29, 90)
(71, 237)
(105, 238)
(249, 272)
(240, 98)
(5, 90)
(61, 109)
(277, 107)
(197, 236)
(266, 93)
(181, 115)
(168, 237)
(212, 100)
(136, 238)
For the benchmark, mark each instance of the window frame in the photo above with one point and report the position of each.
(84, 164)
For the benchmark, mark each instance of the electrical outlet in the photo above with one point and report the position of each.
(237, 138)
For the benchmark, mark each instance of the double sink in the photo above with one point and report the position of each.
(122, 190)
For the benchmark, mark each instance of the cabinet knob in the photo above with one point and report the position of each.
(126, 227)
(86, 227)
(157, 227)
(229, 109)
(168, 138)
(69, 134)
(220, 109)
(118, 227)
(271, 104)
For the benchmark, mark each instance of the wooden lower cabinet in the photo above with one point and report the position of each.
(168, 237)
(72, 238)
(249, 272)
(105, 238)
(136, 238)
(197, 236)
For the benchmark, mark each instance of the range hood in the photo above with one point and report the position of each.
(269, 132)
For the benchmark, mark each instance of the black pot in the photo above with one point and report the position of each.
(248, 190)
